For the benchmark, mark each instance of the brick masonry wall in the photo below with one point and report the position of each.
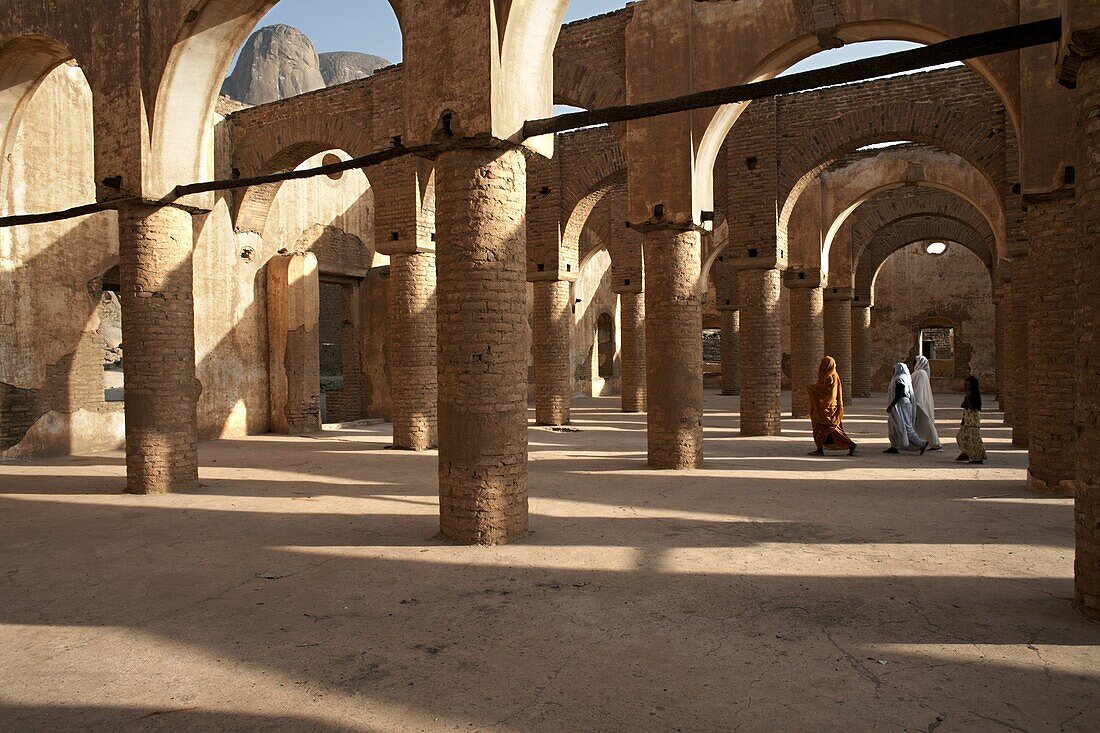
(345, 404)
(1087, 501)
(1052, 232)
(913, 286)
(481, 267)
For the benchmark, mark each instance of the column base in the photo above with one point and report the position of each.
(1065, 487)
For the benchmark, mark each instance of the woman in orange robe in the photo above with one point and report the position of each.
(827, 411)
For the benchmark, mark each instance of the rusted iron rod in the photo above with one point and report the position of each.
(989, 43)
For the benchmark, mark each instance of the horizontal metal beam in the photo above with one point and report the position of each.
(964, 48)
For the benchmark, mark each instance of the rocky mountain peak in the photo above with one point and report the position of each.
(279, 61)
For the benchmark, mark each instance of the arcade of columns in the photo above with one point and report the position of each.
(989, 166)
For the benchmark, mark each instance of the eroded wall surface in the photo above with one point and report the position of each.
(593, 289)
(51, 352)
(913, 286)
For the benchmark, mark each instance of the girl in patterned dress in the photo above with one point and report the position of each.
(971, 447)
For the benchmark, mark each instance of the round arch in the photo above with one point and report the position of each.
(802, 47)
(899, 205)
(898, 235)
(180, 129)
(25, 62)
(252, 205)
(578, 217)
(855, 179)
(835, 226)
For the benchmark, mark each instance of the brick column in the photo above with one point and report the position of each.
(1052, 342)
(411, 330)
(861, 350)
(632, 352)
(761, 352)
(480, 208)
(807, 335)
(731, 352)
(158, 321)
(838, 334)
(1016, 348)
(294, 343)
(674, 347)
(999, 323)
(1087, 564)
(553, 340)
(1009, 376)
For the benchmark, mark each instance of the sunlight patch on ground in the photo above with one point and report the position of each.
(532, 557)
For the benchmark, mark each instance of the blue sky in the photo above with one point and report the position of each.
(369, 26)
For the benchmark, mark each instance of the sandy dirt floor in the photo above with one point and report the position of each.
(304, 588)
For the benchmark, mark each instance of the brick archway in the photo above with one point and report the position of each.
(899, 205)
(918, 228)
(798, 30)
(25, 62)
(263, 149)
(965, 135)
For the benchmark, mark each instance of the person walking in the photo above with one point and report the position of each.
(969, 437)
(902, 413)
(925, 420)
(827, 411)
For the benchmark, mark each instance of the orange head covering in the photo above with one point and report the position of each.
(827, 371)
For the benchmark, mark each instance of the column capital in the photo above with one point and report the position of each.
(804, 278)
(628, 287)
(770, 261)
(840, 293)
(656, 225)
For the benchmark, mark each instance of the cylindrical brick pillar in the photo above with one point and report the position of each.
(999, 320)
(761, 352)
(552, 336)
(1087, 490)
(413, 350)
(838, 337)
(1052, 342)
(861, 350)
(632, 351)
(158, 330)
(807, 343)
(481, 274)
(731, 352)
(1009, 376)
(1016, 356)
(674, 348)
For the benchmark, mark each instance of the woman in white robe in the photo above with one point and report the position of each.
(925, 421)
(902, 413)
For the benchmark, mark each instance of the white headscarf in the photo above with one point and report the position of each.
(901, 374)
(922, 386)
